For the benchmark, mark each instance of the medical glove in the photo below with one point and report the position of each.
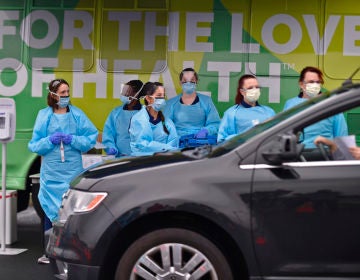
(67, 138)
(56, 138)
(111, 151)
(202, 133)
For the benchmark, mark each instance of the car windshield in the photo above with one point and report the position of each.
(234, 142)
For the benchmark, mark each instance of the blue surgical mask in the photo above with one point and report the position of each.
(64, 101)
(124, 99)
(188, 87)
(158, 104)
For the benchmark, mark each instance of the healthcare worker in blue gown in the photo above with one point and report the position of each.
(247, 112)
(62, 132)
(310, 82)
(150, 131)
(115, 136)
(192, 112)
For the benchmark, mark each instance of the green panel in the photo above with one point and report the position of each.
(79, 4)
(123, 4)
(46, 3)
(344, 43)
(353, 120)
(12, 45)
(153, 4)
(112, 47)
(12, 4)
(40, 29)
(195, 5)
(135, 4)
(270, 27)
(18, 162)
(63, 3)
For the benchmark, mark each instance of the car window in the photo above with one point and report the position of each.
(341, 129)
(238, 140)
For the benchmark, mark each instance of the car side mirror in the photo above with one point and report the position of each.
(283, 148)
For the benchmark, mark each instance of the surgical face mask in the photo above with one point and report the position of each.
(188, 87)
(159, 104)
(312, 89)
(124, 99)
(63, 100)
(252, 95)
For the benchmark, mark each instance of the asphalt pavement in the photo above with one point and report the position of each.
(24, 266)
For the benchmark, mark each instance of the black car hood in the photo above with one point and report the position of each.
(111, 167)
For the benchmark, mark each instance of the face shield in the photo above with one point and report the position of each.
(126, 92)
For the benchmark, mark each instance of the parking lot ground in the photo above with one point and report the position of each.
(24, 266)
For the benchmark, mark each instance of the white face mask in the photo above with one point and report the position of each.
(312, 89)
(252, 95)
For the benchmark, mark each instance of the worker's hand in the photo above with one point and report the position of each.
(331, 144)
(67, 138)
(111, 151)
(355, 151)
(56, 138)
(202, 133)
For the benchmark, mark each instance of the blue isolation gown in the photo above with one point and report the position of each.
(330, 128)
(147, 138)
(189, 119)
(116, 130)
(240, 118)
(55, 175)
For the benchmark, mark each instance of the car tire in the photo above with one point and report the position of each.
(167, 253)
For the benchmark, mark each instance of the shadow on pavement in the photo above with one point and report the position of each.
(24, 266)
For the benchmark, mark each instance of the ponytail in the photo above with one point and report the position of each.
(162, 118)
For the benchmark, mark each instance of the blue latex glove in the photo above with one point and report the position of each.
(202, 133)
(111, 151)
(67, 138)
(56, 138)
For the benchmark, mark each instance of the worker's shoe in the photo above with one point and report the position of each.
(43, 260)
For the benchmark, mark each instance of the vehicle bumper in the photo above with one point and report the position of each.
(79, 254)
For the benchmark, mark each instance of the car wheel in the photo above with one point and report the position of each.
(173, 253)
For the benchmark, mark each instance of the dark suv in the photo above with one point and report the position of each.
(258, 206)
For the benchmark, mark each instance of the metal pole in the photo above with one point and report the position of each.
(3, 188)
